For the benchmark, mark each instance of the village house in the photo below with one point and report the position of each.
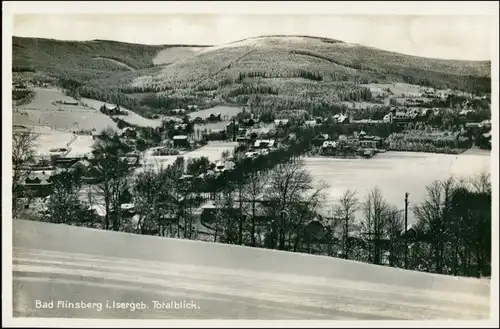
(430, 94)
(465, 113)
(18, 86)
(310, 123)
(42, 164)
(250, 122)
(371, 142)
(281, 122)
(221, 166)
(55, 154)
(97, 134)
(63, 162)
(400, 117)
(485, 124)
(251, 155)
(180, 126)
(264, 143)
(192, 107)
(327, 144)
(328, 147)
(320, 139)
(131, 161)
(90, 174)
(179, 111)
(98, 210)
(181, 141)
(128, 210)
(343, 119)
(207, 214)
(81, 165)
(38, 183)
(110, 109)
(242, 139)
(410, 234)
(129, 132)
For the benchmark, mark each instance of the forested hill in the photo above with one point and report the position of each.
(59, 57)
(286, 71)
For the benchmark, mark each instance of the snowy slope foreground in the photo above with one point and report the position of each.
(63, 263)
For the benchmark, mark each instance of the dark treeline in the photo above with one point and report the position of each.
(305, 74)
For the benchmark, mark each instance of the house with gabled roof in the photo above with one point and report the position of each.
(38, 183)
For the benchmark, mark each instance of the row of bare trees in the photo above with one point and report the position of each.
(279, 208)
(276, 204)
(455, 223)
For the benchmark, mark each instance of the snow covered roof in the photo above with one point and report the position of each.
(269, 142)
(83, 163)
(329, 144)
(127, 206)
(99, 209)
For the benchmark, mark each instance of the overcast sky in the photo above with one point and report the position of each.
(451, 37)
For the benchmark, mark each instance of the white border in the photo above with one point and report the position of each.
(216, 7)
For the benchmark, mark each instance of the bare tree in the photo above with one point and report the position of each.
(395, 227)
(225, 226)
(23, 154)
(481, 183)
(456, 224)
(346, 211)
(289, 183)
(145, 199)
(114, 169)
(254, 190)
(434, 215)
(374, 224)
(300, 211)
(63, 206)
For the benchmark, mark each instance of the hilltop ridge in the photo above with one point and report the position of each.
(280, 71)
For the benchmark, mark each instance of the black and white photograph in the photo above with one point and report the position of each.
(250, 161)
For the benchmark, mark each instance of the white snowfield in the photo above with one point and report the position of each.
(64, 263)
(81, 146)
(213, 151)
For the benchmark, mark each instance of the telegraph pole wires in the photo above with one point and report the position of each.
(406, 229)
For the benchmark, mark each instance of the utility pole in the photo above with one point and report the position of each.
(406, 230)
(234, 129)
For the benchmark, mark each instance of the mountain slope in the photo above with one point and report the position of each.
(284, 57)
(283, 71)
(57, 57)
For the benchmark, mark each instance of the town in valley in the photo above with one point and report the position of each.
(301, 144)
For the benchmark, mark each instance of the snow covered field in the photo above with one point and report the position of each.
(44, 111)
(59, 262)
(132, 117)
(81, 146)
(213, 150)
(228, 111)
(45, 99)
(49, 138)
(394, 173)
